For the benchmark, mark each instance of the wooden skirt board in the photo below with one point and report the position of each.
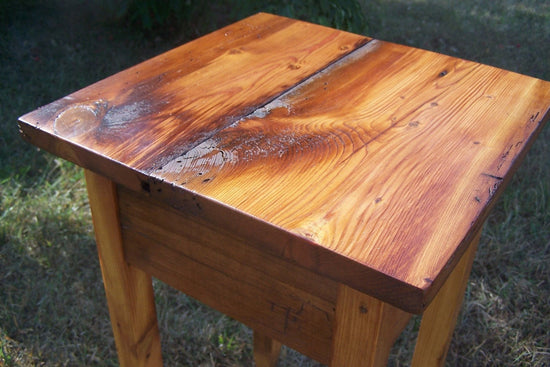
(299, 167)
(273, 296)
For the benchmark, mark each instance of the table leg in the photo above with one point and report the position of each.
(266, 350)
(365, 329)
(439, 319)
(129, 291)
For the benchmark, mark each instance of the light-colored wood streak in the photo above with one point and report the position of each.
(369, 163)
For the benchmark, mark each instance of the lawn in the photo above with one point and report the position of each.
(52, 306)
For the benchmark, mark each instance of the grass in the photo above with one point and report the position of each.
(52, 306)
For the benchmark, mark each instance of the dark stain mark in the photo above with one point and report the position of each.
(477, 142)
(363, 309)
(477, 199)
(434, 104)
(327, 316)
(287, 314)
(294, 66)
(414, 123)
(206, 180)
(443, 73)
(504, 156)
(533, 118)
(197, 204)
(145, 186)
(117, 117)
(428, 280)
(492, 176)
(506, 153)
(377, 200)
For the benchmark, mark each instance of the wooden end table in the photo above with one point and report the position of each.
(316, 185)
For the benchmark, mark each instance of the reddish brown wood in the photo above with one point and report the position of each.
(368, 162)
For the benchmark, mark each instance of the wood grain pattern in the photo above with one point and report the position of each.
(370, 163)
(439, 319)
(365, 331)
(129, 290)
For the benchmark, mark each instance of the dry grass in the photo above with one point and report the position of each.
(52, 307)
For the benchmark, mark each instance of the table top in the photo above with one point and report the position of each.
(369, 162)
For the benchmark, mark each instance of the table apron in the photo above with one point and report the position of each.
(268, 294)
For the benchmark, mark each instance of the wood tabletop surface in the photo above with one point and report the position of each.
(366, 161)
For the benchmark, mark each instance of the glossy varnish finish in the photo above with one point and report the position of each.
(366, 162)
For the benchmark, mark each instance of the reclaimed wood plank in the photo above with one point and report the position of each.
(356, 155)
(167, 105)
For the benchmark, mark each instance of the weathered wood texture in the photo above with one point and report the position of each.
(368, 162)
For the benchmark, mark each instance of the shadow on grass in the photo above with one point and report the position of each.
(52, 295)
